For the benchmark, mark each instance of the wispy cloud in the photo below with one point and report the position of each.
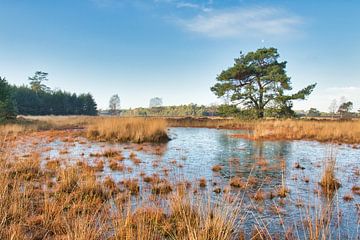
(187, 4)
(259, 21)
(203, 8)
(213, 22)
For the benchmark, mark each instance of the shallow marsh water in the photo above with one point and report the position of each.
(192, 153)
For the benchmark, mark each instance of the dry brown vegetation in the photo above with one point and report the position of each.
(79, 206)
(290, 129)
(324, 131)
(202, 182)
(205, 122)
(62, 201)
(356, 190)
(154, 129)
(136, 130)
(8, 129)
(237, 182)
(217, 168)
(328, 182)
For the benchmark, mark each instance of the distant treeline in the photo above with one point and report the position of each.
(29, 102)
(223, 110)
(39, 99)
(173, 111)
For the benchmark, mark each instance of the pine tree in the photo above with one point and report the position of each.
(7, 104)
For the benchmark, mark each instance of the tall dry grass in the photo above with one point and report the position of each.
(31, 209)
(154, 129)
(136, 130)
(324, 131)
(70, 202)
(55, 122)
(328, 181)
(290, 129)
(76, 205)
(206, 122)
(7, 129)
(180, 218)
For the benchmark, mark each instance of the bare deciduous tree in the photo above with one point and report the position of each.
(114, 104)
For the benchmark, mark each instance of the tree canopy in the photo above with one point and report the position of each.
(155, 102)
(114, 104)
(313, 112)
(37, 82)
(345, 108)
(258, 80)
(7, 104)
(39, 99)
(30, 102)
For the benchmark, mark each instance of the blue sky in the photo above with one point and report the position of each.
(174, 49)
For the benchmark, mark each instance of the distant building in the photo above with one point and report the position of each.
(155, 102)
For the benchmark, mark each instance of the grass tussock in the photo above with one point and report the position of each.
(137, 130)
(328, 182)
(217, 168)
(237, 182)
(356, 190)
(116, 166)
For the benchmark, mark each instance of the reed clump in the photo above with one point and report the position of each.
(202, 182)
(132, 185)
(163, 187)
(356, 190)
(116, 166)
(328, 182)
(237, 182)
(217, 168)
(137, 130)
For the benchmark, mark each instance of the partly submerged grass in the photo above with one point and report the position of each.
(328, 182)
(136, 130)
(78, 206)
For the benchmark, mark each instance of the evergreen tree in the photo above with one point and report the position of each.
(257, 80)
(37, 82)
(7, 105)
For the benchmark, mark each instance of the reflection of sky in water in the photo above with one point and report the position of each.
(198, 149)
